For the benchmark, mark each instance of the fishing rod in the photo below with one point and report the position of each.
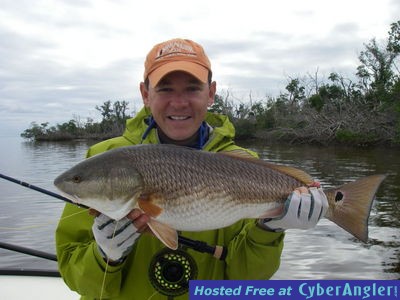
(28, 251)
(219, 252)
(39, 189)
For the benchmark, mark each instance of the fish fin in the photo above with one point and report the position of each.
(167, 235)
(298, 174)
(238, 153)
(350, 205)
(147, 205)
(273, 213)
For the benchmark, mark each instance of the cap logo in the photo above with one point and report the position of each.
(176, 55)
(175, 48)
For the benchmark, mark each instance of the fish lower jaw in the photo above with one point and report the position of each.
(72, 198)
(115, 209)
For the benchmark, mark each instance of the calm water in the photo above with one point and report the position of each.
(28, 218)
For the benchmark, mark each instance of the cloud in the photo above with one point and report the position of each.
(36, 88)
(62, 58)
(268, 59)
(394, 10)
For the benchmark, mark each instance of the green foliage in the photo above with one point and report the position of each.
(377, 71)
(244, 128)
(394, 38)
(114, 116)
(69, 127)
(296, 91)
(346, 136)
(35, 131)
(218, 106)
(316, 101)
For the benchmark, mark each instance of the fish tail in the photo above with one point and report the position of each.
(350, 205)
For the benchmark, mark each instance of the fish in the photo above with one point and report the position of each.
(184, 189)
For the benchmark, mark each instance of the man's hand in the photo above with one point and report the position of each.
(303, 209)
(115, 239)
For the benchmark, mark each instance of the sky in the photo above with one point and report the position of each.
(59, 59)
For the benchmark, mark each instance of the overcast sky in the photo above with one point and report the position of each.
(59, 59)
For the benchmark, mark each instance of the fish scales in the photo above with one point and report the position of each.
(211, 190)
(176, 173)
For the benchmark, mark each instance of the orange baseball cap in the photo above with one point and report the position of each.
(176, 55)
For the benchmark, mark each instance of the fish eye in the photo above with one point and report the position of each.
(76, 178)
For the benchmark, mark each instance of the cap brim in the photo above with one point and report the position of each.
(198, 71)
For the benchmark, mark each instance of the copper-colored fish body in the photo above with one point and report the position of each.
(191, 190)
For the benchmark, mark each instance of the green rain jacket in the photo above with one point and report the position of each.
(253, 253)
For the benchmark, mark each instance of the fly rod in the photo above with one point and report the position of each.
(39, 189)
(218, 252)
(28, 251)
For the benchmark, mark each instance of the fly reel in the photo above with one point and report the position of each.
(171, 270)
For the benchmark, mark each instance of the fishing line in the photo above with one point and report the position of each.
(107, 264)
(74, 214)
(28, 227)
(155, 293)
(43, 224)
(219, 252)
(29, 251)
(169, 271)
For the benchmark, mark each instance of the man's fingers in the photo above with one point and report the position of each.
(315, 184)
(306, 207)
(134, 214)
(321, 202)
(141, 222)
(301, 190)
(139, 219)
(93, 212)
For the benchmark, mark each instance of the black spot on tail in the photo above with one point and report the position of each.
(339, 196)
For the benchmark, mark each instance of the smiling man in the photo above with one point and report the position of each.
(101, 258)
(178, 90)
(178, 104)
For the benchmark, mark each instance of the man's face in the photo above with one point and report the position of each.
(179, 103)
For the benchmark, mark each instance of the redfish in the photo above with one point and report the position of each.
(190, 190)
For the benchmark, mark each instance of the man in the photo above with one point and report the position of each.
(100, 258)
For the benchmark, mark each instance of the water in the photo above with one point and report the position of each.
(29, 219)
(328, 252)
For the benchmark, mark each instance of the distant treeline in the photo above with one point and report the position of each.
(114, 116)
(362, 112)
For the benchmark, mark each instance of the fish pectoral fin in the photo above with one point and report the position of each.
(167, 235)
(146, 203)
(272, 213)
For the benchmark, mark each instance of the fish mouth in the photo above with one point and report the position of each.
(73, 198)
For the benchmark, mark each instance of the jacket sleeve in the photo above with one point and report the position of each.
(79, 260)
(254, 253)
